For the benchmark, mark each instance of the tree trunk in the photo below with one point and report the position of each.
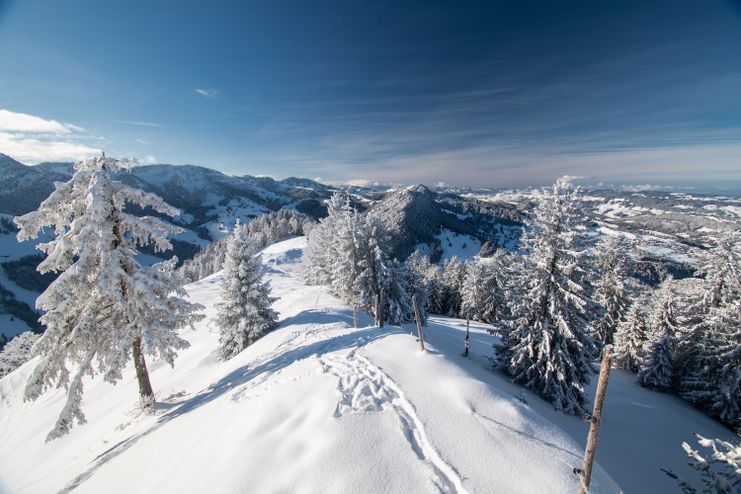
(595, 421)
(146, 395)
(420, 335)
(381, 307)
(466, 343)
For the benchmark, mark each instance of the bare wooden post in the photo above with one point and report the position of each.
(419, 323)
(355, 315)
(465, 341)
(377, 308)
(599, 400)
(381, 307)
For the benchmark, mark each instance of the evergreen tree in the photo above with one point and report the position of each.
(611, 260)
(547, 347)
(481, 296)
(715, 380)
(454, 275)
(375, 269)
(435, 290)
(321, 250)
(417, 268)
(657, 371)
(722, 270)
(709, 355)
(349, 238)
(104, 308)
(17, 352)
(631, 337)
(244, 314)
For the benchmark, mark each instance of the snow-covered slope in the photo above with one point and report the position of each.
(317, 406)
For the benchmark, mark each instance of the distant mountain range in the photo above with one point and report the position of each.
(441, 221)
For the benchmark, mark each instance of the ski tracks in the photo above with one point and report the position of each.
(365, 387)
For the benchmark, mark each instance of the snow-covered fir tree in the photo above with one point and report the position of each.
(244, 314)
(631, 337)
(349, 240)
(105, 308)
(17, 352)
(714, 381)
(435, 290)
(722, 270)
(351, 255)
(375, 270)
(321, 252)
(417, 268)
(658, 367)
(482, 292)
(611, 295)
(454, 274)
(548, 346)
(709, 341)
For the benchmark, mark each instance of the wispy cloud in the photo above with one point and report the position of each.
(139, 123)
(33, 139)
(36, 150)
(22, 122)
(207, 92)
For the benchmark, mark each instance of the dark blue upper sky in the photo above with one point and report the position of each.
(473, 93)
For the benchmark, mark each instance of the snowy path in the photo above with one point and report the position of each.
(315, 406)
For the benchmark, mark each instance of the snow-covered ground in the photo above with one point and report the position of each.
(317, 406)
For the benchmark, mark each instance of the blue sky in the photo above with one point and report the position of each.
(469, 93)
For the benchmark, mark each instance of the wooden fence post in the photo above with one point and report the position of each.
(419, 323)
(381, 307)
(375, 312)
(466, 343)
(596, 419)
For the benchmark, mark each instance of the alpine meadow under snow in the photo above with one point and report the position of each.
(285, 355)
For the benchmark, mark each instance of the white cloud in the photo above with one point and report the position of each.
(207, 92)
(33, 150)
(33, 139)
(139, 123)
(149, 159)
(22, 122)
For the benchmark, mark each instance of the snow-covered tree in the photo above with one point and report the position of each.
(17, 352)
(349, 238)
(417, 268)
(435, 290)
(714, 381)
(482, 292)
(658, 368)
(375, 269)
(722, 270)
(454, 274)
(321, 252)
(105, 308)
(611, 295)
(244, 314)
(631, 337)
(548, 346)
(720, 470)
